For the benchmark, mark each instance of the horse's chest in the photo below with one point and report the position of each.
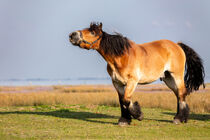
(116, 77)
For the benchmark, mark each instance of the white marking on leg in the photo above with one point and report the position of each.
(124, 106)
(182, 105)
(130, 105)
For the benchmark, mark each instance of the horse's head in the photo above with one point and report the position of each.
(88, 38)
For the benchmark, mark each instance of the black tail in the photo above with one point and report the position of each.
(194, 76)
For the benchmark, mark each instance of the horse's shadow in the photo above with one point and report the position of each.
(65, 113)
(192, 116)
(94, 117)
(199, 117)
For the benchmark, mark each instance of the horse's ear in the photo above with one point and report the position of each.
(100, 26)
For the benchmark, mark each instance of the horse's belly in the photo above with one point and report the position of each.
(146, 81)
(149, 77)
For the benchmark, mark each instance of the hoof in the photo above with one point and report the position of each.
(183, 114)
(141, 117)
(135, 111)
(124, 122)
(180, 119)
(176, 121)
(185, 120)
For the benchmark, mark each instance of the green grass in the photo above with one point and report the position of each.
(95, 122)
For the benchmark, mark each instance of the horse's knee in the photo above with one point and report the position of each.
(126, 101)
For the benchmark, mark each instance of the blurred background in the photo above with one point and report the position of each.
(34, 45)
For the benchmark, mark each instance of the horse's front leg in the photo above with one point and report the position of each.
(133, 108)
(125, 118)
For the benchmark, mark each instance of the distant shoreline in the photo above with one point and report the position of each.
(67, 81)
(48, 82)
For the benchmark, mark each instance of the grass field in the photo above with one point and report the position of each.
(92, 112)
(95, 122)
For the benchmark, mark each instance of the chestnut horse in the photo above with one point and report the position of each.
(130, 64)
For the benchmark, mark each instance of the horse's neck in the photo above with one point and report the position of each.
(114, 62)
(108, 58)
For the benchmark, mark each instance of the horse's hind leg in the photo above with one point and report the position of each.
(176, 83)
(125, 118)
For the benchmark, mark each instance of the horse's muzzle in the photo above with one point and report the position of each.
(74, 38)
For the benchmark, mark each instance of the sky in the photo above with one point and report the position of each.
(34, 33)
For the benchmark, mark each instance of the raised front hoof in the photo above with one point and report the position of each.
(141, 117)
(135, 111)
(124, 122)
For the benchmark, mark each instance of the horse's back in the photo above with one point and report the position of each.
(165, 50)
(163, 46)
(158, 57)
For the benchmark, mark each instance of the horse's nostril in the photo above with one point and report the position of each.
(72, 35)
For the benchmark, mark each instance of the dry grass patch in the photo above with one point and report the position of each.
(151, 96)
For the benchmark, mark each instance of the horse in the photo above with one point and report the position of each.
(130, 64)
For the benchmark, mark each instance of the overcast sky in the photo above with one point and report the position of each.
(34, 33)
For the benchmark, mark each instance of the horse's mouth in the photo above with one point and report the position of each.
(75, 42)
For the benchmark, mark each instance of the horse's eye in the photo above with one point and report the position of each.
(92, 32)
